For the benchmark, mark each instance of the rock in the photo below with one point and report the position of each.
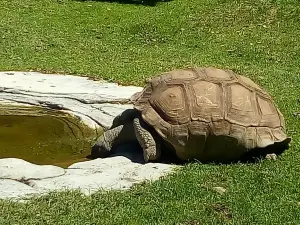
(99, 165)
(95, 102)
(219, 190)
(110, 173)
(19, 169)
(271, 156)
(11, 189)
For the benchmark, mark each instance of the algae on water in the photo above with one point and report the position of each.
(44, 136)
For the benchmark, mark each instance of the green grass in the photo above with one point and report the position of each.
(129, 43)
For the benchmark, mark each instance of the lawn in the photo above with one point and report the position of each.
(129, 43)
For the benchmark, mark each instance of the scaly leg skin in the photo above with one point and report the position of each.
(151, 148)
(112, 138)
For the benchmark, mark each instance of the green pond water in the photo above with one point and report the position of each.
(44, 136)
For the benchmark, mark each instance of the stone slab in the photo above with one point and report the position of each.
(20, 179)
(81, 88)
(11, 189)
(19, 169)
(95, 102)
(111, 173)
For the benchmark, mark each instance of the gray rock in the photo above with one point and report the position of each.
(11, 189)
(219, 190)
(111, 173)
(19, 169)
(96, 102)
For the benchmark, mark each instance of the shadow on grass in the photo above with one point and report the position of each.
(133, 151)
(137, 2)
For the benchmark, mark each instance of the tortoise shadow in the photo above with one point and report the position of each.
(133, 151)
(136, 2)
(256, 155)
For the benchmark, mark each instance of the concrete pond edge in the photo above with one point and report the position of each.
(96, 103)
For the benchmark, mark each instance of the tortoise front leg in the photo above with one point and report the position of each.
(151, 148)
(112, 138)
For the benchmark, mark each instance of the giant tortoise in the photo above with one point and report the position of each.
(204, 114)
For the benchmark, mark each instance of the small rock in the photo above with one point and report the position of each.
(271, 156)
(296, 113)
(220, 190)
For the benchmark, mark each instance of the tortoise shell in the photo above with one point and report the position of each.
(210, 113)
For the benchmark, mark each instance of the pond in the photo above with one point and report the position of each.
(44, 136)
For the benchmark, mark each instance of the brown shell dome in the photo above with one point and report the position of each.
(208, 112)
